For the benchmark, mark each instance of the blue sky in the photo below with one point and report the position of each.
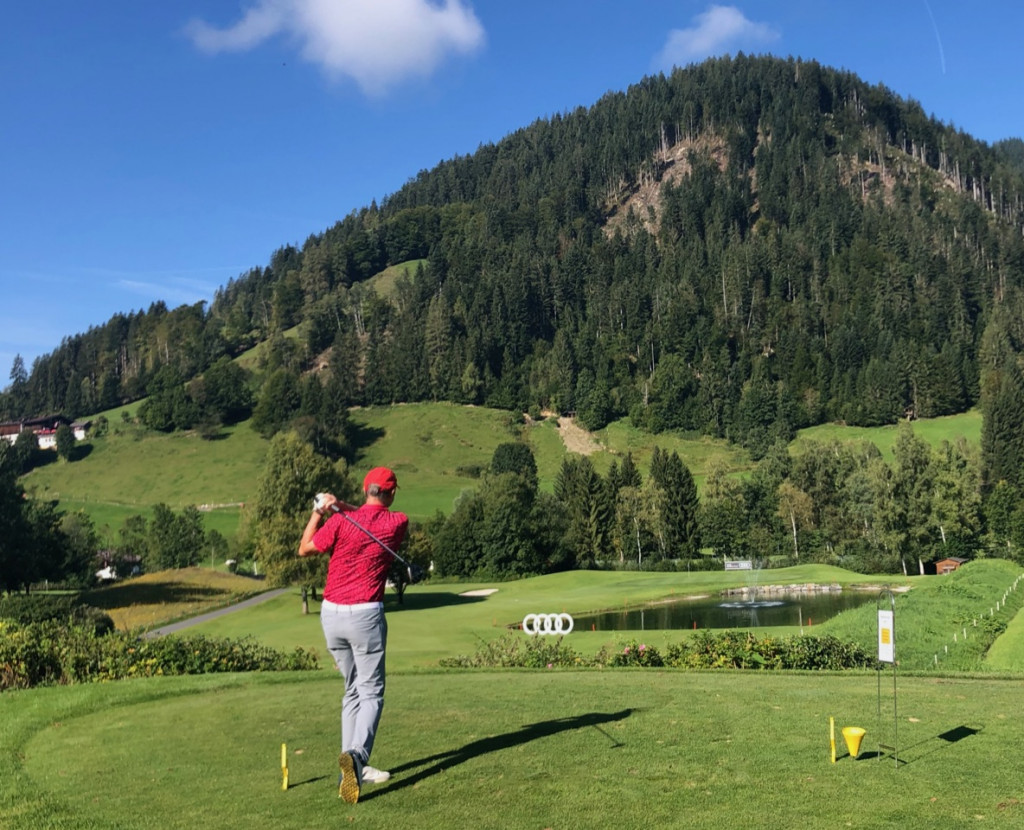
(152, 151)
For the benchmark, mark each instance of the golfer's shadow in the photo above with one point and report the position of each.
(531, 732)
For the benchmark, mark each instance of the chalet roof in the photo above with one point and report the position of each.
(47, 421)
(41, 422)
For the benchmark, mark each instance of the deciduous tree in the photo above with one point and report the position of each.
(292, 474)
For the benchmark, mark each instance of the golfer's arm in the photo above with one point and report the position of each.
(306, 546)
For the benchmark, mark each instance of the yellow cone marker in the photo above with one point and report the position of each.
(284, 766)
(853, 736)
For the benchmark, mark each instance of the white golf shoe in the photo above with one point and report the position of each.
(374, 776)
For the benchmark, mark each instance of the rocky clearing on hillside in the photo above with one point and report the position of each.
(575, 438)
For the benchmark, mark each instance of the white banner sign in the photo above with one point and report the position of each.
(739, 565)
(886, 637)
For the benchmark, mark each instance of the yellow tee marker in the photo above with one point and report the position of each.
(832, 737)
(284, 766)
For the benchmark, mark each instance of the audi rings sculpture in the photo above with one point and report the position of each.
(547, 624)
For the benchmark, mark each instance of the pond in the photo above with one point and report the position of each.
(804, 608)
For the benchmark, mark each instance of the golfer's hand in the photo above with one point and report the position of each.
(328, 502)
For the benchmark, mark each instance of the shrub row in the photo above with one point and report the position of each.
(706, 650)
(51, 653)
(36, 608)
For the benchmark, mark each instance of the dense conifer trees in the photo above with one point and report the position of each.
(739, 249)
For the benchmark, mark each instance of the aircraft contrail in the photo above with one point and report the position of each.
(942, 55)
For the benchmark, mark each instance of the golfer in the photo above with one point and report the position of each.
(352, 613)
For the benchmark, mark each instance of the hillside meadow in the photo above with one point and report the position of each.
(435, 448)
(951, 428)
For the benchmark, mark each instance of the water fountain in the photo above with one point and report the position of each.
(751, 602)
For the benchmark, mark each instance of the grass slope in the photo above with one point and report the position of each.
(951, 428)
(130, 470)
(430, 445)
(153, 599)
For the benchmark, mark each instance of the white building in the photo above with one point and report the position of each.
(45, 430)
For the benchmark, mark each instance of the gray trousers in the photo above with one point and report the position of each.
(357, 636)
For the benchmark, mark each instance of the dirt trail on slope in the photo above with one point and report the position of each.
(575, 438)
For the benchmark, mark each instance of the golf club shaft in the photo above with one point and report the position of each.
(352, 521)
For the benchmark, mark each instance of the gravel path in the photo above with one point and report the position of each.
(220, 612)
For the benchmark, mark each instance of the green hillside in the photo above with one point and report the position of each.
(951, 428)
(434, 447)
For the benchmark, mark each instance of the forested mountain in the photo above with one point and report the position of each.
(742, 248)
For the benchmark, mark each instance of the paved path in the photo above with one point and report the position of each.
(220, 612)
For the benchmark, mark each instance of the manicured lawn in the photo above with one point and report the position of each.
(625, 749)
(438, 621)
(523, 748)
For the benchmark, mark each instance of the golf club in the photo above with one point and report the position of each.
(414, 572)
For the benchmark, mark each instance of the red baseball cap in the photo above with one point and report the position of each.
(382, 477)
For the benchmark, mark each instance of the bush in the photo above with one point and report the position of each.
(744, 650)
(51, 652)
(25, 659)
(634, 653)
(514, 651)
(30, 608)
(65, 608)
(706, 650)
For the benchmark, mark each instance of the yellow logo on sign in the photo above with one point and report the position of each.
(886, 636)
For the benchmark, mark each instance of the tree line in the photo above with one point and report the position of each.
(825, 502)
(828, 502)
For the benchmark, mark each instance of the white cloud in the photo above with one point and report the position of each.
(377, 43)
(174, 292)
(719, 30)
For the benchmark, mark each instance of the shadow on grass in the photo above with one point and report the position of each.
(446, 760)
(419, 600)
(314, 780)
(80, 451)
(362, 436)
(153, 593)
(929, 746)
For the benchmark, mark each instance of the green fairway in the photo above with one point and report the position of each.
(555, 747)
(437, 620)
(515, 749)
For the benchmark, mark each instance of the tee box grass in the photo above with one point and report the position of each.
(515, 748)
